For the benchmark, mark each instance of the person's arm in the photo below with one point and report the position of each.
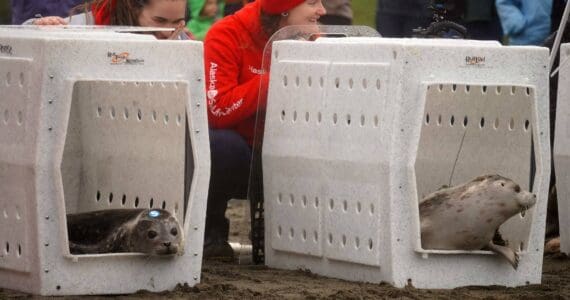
(512, 19)
(51, 20)
(229, 102)
(79, 19)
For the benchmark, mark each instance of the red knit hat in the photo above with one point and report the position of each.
(275, 7)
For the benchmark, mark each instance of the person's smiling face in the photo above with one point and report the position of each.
(163, 13)
(306, 13)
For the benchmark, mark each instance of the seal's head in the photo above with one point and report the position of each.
(505, 192)
(156, 232)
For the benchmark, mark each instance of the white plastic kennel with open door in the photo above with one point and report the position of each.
(359, 129)
(92, 119)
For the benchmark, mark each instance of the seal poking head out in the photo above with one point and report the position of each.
(149, 231)
(466, 217)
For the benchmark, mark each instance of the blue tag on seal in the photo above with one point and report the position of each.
(154, 213)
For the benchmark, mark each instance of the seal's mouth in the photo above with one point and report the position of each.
(524, 209)
(166, 251)
(527, 202)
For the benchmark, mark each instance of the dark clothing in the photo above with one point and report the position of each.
(481, 20)
(556, 15)
(339, 12)
(23, 10)
(231, 159)
(479, 10)
(397, 18)
(484, 30)
(335, 20)
(231, 9)
(406, 8)
(399, 26)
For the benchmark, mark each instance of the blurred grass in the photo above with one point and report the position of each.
(5, 12)
(364, 12)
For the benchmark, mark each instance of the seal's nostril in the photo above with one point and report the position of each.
(167, 244)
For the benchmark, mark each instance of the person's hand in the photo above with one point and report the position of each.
(189, 34)
(180, 28)
(50, 21)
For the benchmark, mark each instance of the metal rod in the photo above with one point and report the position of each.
(242, 252)
(559, 34)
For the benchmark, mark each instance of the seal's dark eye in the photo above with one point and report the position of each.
(502, 184)
(151, 234)
(174, 231)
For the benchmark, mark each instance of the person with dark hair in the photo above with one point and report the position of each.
(233, 52)
(23, 10)
(234, 5)
(145, 13)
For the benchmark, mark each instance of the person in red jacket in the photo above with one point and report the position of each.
(233, 50)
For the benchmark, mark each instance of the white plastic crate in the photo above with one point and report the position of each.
(562, 148)
(348, 152)
(91, 120)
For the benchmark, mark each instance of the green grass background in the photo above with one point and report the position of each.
(364, 12)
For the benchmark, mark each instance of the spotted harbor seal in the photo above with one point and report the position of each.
(466, 217)
(149, 231)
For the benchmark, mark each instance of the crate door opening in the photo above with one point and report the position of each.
(473, 130)
(125, 147)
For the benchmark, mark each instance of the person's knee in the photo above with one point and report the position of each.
(230, 155)
(228, 146)
(230, 161)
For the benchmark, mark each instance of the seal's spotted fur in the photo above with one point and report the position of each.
(465, 217)
(150, 231)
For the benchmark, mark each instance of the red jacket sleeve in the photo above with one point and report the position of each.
(229, 101)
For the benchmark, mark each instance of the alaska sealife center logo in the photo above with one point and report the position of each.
(123, 58)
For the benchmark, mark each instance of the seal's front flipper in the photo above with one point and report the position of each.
(76, 248)
(506, 252)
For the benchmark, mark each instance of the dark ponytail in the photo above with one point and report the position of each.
(269, 23)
